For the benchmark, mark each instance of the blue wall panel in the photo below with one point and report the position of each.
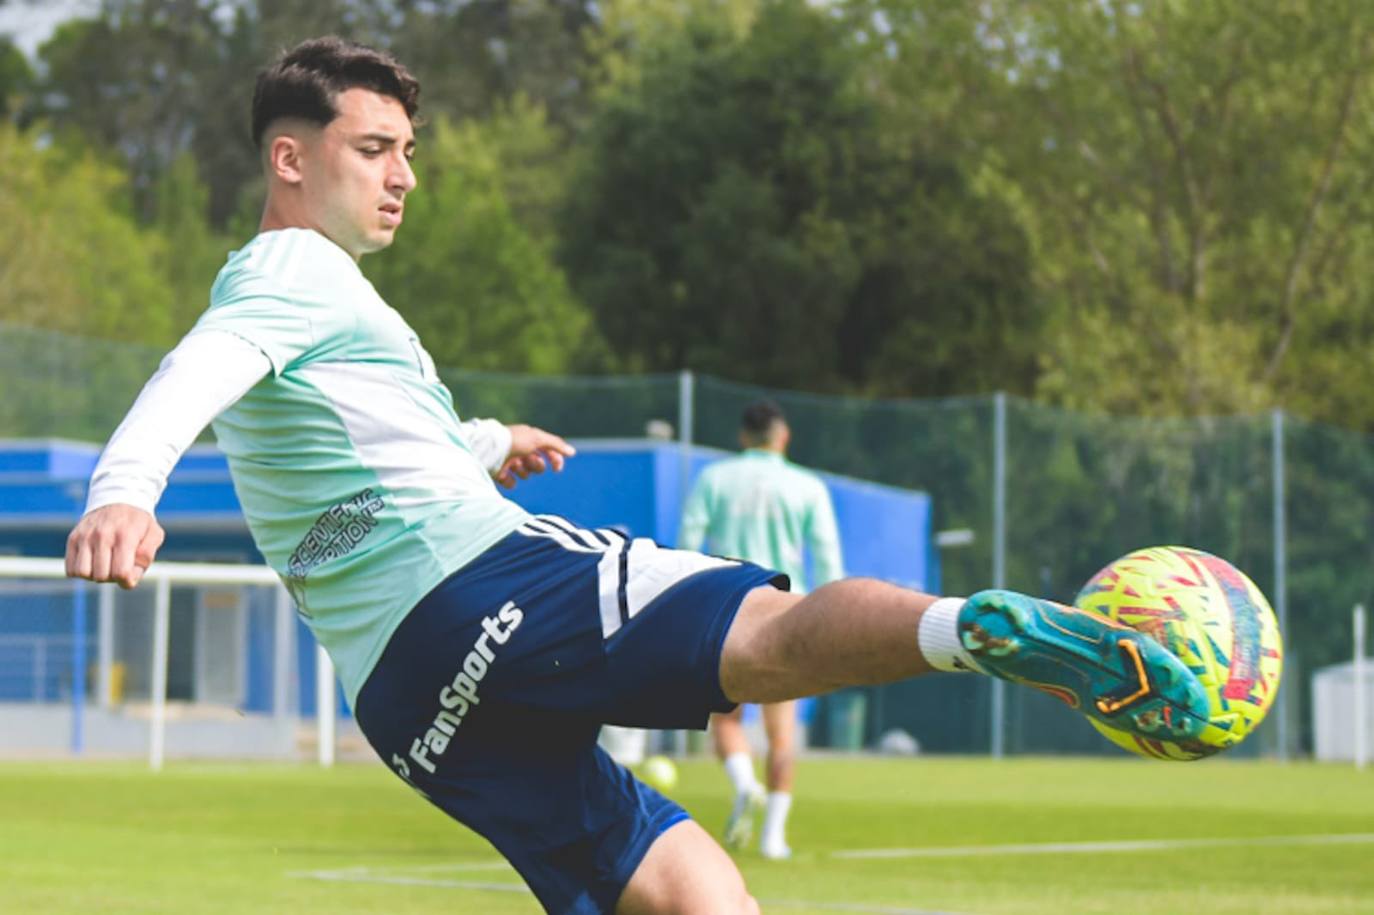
(635, 485)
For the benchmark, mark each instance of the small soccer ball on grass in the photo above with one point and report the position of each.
(1214, 619)
(659, 773)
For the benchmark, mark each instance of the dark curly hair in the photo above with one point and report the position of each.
(303, 82)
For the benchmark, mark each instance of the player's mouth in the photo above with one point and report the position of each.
(391, 214)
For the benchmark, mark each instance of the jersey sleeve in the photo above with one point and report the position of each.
(285, 327)
(489, 441)
(823, 538)
(206, 373)
(696, 516)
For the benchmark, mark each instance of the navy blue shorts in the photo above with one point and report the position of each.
(489, 696)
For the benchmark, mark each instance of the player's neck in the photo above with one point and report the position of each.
(278, 214)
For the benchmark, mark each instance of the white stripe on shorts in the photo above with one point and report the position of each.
(608, 585)
(647, 571)
(631, 574)
(543, 526)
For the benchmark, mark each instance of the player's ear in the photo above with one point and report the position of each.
(285, 158)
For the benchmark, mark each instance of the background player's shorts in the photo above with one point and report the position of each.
(489, 696)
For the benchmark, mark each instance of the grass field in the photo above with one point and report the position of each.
(872, 835)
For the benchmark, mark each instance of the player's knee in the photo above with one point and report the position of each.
(718, 900)
(738, 903)
(781, 763)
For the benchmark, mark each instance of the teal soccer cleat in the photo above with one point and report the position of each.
(1110, 672)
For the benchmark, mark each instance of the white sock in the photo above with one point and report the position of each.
(740, 768)
(775, 819)
(937, 635)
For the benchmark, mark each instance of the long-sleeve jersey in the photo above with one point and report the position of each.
(360, 485)
(760, 507)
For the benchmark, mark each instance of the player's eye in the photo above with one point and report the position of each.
(371, 152)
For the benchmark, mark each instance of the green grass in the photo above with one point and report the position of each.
(103, 837)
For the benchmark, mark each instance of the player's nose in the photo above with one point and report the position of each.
(402, 176)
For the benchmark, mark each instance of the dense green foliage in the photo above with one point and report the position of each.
(741, 212)
(1150, 208)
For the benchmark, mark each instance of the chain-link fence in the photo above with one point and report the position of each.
(1049, 497)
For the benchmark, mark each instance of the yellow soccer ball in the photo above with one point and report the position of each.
(1214, 619)
(659, 773)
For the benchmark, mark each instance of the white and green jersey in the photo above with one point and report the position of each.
(761, 507)
(361, 487)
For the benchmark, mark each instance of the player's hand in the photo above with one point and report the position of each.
(113, 543)
(532, 450)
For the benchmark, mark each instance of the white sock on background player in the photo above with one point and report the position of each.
(740, 769)
(773, 843)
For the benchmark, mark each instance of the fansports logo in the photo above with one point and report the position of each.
(458, 697)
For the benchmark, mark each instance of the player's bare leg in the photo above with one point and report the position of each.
(853, 632)
(686, 873)
(861, 631)
(780, 724)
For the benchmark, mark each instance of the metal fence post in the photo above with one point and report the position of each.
(105, 646)
(1280, 562)
(162, 614)
(998, 712)
(78, 666)
(1360, 736)
(326, 710)
(686, 420)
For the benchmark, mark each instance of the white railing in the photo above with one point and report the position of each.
(161, 576)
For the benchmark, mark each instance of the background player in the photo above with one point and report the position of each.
(761, 507)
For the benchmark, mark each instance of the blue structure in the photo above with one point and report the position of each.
(636, 485)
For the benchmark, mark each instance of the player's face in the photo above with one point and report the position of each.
(357, 172)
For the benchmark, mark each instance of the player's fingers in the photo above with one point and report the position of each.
(556, 460)
(555, 444)
(534, 463)
(144, 554)
(503, 476)
(121, 551)
(78, 554)
(101, 543)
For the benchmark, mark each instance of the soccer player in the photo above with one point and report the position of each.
(760, 507)
(479, 646)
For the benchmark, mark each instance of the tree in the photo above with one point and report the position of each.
(481, 290)
(1192, 176)
(741, 211)
(475, 56)
(81, 263)
(150, 80)
(16, 80)
(190, 252)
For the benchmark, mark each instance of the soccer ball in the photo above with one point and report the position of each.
(659, 773)
(1214, 619)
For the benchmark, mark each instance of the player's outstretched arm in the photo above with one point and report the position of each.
(113, 543)
(532, 450)
(117, 538)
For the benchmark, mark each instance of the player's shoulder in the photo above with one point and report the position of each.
(280, 260)
(804, 477)
(726, 467)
